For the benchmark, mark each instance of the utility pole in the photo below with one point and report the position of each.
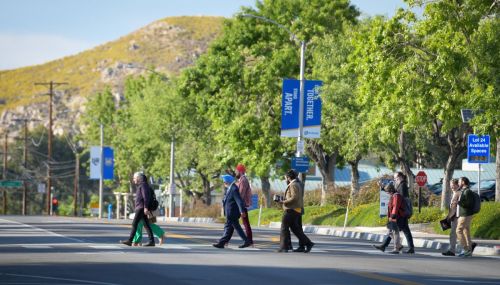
(25, 162)
(51, 85)
(77, 178)
(4, 174)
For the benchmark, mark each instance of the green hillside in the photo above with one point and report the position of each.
(169, 45)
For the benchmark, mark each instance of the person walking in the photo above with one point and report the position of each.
(394, 211)
(157, 231)
(465, 205)
(452, 217)
(142, 200)
(233, 209)
(246, 195)
(402, 188)
(292, 209)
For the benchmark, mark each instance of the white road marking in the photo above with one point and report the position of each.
(61, 279)
(36, 229)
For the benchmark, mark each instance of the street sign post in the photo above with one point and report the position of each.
(301, 164)
(421, 180)
(478, 151)
(10, 183)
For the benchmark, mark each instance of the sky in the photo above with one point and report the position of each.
(36, 31)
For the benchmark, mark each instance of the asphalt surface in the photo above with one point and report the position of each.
(58, 250)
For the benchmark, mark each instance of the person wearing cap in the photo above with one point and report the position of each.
(293, 203)
(142, 200)
(246, 195)
(234, 207)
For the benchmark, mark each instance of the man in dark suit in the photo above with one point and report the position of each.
(233, 209)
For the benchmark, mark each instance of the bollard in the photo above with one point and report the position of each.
(110, 211)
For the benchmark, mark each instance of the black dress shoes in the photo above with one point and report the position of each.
(218, 245)
(246, 244)
(126, 242)
(150, 244)
(379, 247)
(411, 250)
(309, 247)
(299, 249)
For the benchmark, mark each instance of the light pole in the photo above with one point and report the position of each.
(300, 138)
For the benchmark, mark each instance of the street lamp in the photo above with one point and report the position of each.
(300, 139)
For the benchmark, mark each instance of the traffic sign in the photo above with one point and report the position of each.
(290, 108)
(478, 149)
(95, 163)
(421, 178)
(11, 183)
(300, 164)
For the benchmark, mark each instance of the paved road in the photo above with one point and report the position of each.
(72, 251)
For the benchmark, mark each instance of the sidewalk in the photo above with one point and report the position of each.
(420, 239)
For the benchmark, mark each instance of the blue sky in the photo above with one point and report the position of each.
(37, 31)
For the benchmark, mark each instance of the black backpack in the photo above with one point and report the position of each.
(476, 202)
(153, 205)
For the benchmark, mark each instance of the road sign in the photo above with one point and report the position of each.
(290, 108)
(300, 164)
(384, 202)
(95, 163)
(421, 178)
(10, 183)
(478, 149)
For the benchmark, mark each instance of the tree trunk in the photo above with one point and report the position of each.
(456, 140)
(405, 163)
(266, 190)
(497, 191)
(326, 165)
(206, 188)
(354, 177)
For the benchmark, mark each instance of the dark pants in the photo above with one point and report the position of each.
(403, 226)
(291, 220)
(248, 229)
(229, 227)
(139, 215)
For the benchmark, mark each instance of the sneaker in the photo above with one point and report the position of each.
(126, 242)
(448, 253)
(411, 250)
(309, 247)
(473, 246)
(461, 254)
(379, 247)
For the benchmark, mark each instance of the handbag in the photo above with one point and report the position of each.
(152, 219)
(393, 226)
(445, 224)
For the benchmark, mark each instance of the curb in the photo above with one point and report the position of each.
(377, 237)
(187, 220)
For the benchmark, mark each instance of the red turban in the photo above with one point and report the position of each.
(241, 168)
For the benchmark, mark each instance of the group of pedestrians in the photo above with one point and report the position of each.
(237, 200)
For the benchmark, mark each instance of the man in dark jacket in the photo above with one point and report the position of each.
(142, 200)
(465, 205)
(233, 209)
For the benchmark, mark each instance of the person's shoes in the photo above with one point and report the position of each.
(281, 250)
(126, 242)
(136, 244)
(448, 253)
(246, 244)
(461, 254)
(400, 248)
(309, 247)
(473, 246)
(411, 250)
(218, 245)
(151, 243)
(162, 239)
(394, 251)
(379, 247)
(468, 253)
(299, 249)
(290, 248)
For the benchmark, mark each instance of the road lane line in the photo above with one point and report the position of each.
(61, 279)
(50, 233)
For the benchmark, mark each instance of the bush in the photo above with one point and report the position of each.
(202, 210)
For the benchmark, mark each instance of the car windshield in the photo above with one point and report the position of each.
(485, 184)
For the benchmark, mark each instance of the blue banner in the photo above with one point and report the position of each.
(109, 163)
(478, 149)
(290, 108)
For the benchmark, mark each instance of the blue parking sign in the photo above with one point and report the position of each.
(478, 149)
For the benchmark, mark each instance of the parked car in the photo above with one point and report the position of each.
(487, 190)
(437, 188)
